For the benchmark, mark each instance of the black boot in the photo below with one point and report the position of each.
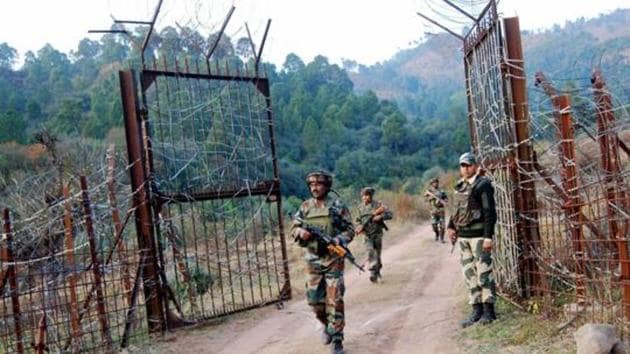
(326, 338)
(475, 315)
(337, 347)
(488, 314)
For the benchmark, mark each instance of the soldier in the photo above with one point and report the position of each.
(372, 215)
(325, 285)
(472, 227)
(438, 200)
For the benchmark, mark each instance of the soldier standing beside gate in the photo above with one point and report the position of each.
(324, 215)
(372, 214)
(437, 199)
(472, 227)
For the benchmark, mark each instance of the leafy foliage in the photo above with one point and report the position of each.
(383, 125)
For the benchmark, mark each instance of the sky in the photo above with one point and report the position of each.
(367, 31)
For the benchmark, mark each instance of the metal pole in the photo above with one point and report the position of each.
(15, 296)
(141, 203)
(615, 197)
(96, 264)
(113, 204)
(285, 292)
(527, 224)
(72, 278)
(570, 185)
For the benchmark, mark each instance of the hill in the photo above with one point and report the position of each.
(424, 79)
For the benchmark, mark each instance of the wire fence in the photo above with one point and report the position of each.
(68, 270)
(561, 172)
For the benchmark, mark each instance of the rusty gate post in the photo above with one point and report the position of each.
(570, 184)
(96, 264)
(72, 278)
(141, 203)
(285, 292)
(13, 285)
(113, 205)
(526, 192)
(616, 198)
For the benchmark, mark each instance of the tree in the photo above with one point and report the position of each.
(12, 127)
(8, 56)
(293, 64)
(394, 132)
(69, 119)
(244, 48)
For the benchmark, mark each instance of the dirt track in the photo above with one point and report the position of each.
(413, 310)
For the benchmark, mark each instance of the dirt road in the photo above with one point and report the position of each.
(413, 310)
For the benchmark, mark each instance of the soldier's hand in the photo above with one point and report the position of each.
(487, 244)
(304, 234)
(339, 241)
(452, 235)
(377, 218)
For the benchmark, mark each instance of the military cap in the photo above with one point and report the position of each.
(467, 158)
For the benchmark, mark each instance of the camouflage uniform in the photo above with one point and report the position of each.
(373, 235)
(325, 285)
(438, 214)
(474, 218)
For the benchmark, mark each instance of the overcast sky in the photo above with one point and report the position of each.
(367, 31)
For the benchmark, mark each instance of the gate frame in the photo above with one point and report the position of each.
(148, 200)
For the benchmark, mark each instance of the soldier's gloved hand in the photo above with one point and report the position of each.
(487, 244)
(304, 234)
(452, 235)
(339, 240)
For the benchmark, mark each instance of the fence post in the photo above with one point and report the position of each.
(96, 264)
(69, 259)
(15, 296)
(120, 247)
(570, 184)
(40, 344)
(526, 192)
(615, 197)
(141, 203)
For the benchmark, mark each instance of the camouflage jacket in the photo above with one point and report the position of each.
(333, 217)
(474, 213)
(437, 204)
(372, 229)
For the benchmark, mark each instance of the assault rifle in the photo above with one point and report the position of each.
(329, 243)
(368, 218)
(442, 196)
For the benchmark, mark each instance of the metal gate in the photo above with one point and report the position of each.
(498, 121)
(215, 208)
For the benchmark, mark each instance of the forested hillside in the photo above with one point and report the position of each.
(426, 80)
(72, 103)
(392, 125)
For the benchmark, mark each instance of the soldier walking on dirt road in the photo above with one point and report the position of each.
(372, 214)
(438, 200)
(324, 215)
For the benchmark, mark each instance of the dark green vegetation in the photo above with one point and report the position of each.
(385, 125)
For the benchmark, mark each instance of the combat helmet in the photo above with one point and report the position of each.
(368, 191)
(320, 176)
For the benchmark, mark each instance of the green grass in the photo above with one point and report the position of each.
(516, 331)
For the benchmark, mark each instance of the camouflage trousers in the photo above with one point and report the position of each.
(324, 293)
(374, 247)
(438, 225)
(477, 268)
